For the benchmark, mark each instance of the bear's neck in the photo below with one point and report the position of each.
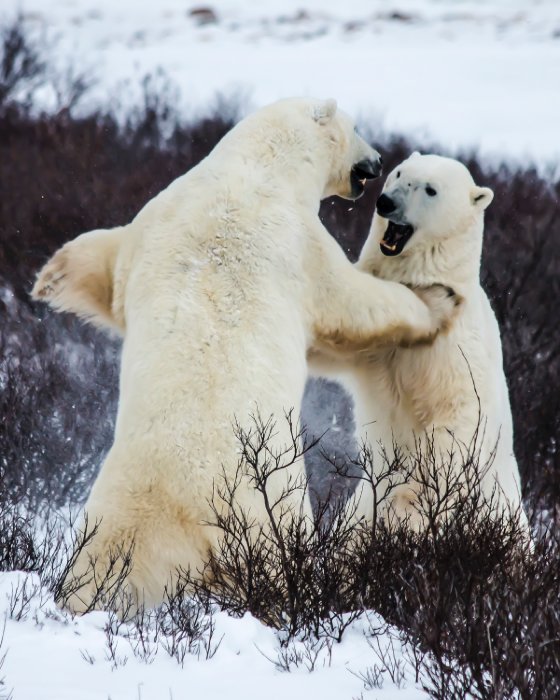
(452, 261)
(269, 157)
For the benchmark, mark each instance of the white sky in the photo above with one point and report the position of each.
(483, 75)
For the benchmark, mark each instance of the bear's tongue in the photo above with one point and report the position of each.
(395, 238)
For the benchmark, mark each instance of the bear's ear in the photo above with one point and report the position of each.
(80, 278)
(415, 154)
(481, 196)
(324, 111)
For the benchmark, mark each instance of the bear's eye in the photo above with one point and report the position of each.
(398, 174)
(430, 191)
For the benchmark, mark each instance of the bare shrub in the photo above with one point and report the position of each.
(18, 550)
(21, 598)
(104, 578)
(57, 411)
(476, 601)
(183, 624)
(309, 653)
(21, 67)
(290, 570)
(112, 631)
(5, 694)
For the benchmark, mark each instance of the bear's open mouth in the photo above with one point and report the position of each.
(395, 238)
(359, 177)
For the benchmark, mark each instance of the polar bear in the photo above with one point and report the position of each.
(428, 230)
(219, 286)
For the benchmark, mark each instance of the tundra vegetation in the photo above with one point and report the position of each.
(478, 609)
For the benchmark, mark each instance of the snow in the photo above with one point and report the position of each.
(459, 73)
(50, 656)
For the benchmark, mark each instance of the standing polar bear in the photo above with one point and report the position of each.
(428, 229)
(220, 285)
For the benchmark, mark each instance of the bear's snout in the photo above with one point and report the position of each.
(385, 205)
(368, 168)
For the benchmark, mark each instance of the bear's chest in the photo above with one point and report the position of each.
(435, 385)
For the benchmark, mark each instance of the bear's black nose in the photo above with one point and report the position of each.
(385, 205)
(368, 169)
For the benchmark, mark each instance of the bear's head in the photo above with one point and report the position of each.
(352, 161)
(311, 141)
(427, 199)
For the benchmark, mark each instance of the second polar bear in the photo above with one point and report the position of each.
(219, 286)
(428, 229)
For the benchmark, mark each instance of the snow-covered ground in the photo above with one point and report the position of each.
(463, 73)
(50, 656)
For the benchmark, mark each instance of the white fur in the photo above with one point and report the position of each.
(220, 285)
(403, 395)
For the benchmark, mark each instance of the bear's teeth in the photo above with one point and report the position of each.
(387, 245)
(363, 181)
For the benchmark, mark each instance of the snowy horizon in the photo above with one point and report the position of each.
(463, 75)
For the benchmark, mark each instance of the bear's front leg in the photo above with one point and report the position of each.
(443, 304)
(364, 313)
(353, 311)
